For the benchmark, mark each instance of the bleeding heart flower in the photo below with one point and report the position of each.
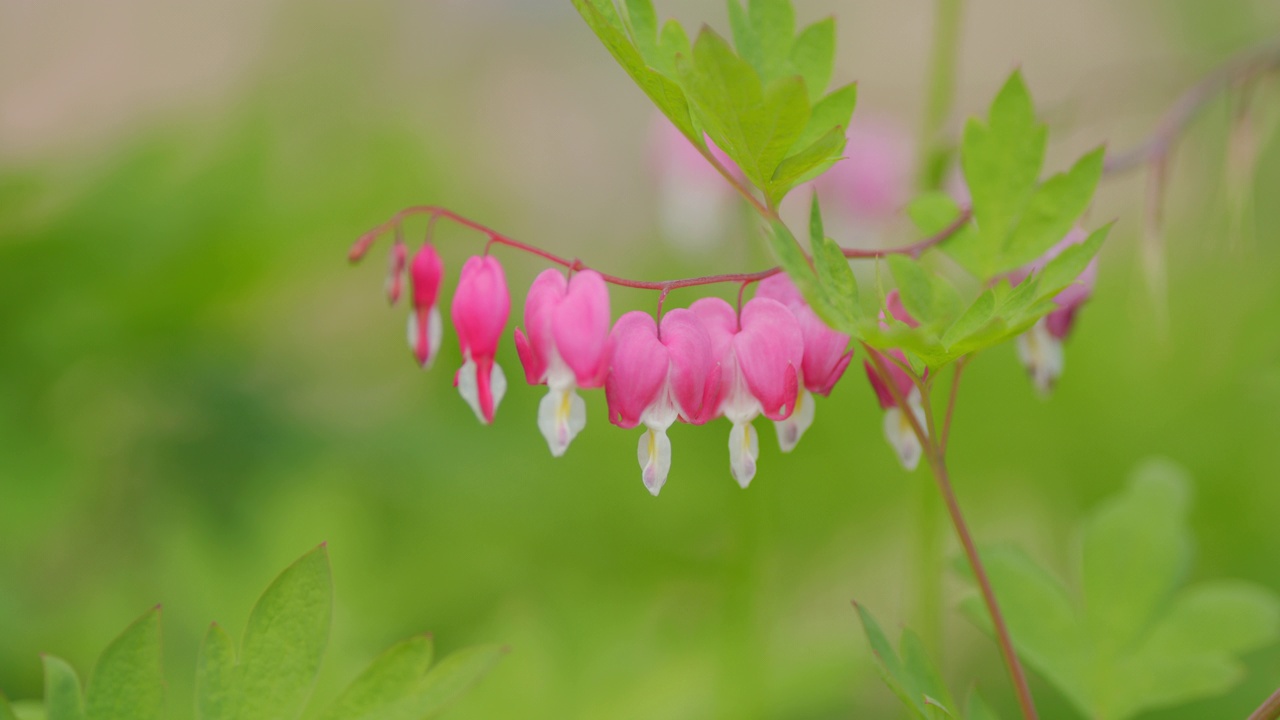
(897, 424)
(1040, 348)
(481, 305)
(760, 358)
(567, 348)
(659, 374)
(426, 329)
(826, 356)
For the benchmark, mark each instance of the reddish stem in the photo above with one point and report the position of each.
(1269, 710)
(937, 462)
(366, 241)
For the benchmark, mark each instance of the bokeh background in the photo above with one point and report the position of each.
(195, 387)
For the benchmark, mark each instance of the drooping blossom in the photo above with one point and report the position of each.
(897, 424)
(567, 347)
(696, 204)
(1040, 348)
(426, 329)
(826, 356)
(659, 373)
(760, 356)
(481, 305)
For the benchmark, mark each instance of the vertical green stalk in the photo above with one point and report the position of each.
(935, 152)
(935, 148)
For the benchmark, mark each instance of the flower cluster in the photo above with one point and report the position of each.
(693, 365)
(769, 357)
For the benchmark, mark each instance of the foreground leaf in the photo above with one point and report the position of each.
(216, 689)
(128, 681)
(62, 697)
(285, 640)
(1134, 640)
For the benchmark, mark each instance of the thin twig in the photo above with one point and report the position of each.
(951, 403)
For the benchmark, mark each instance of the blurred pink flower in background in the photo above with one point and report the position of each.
(873, 182)
(695, 203)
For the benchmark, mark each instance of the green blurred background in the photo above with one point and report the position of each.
(195, 388)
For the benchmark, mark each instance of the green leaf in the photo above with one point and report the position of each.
(643, 22)
(764, 35)
(1066, 268)
(672, 42)
(755, 125)
(831, 112)
(814, 56)
(1002, 161)
(285, 640)
(216, 676)
(454, 676)
(602, 18)
(388, 688)
(914, 287)
(973, 320)
(887, 662)
(1133, 641)
(1051, 211)
(62, 697)
(29, 710)
(128, 681)
(924, 676)
(807, 164)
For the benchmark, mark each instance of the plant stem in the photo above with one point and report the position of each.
(936, 458)
(1269, 710)
(366, 241)
(941, 84)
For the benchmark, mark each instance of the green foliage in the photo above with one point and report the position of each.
(1133, 638)
(761, 100)
(1017, 217)
(128, 682)
(272, 680)
(914, 678)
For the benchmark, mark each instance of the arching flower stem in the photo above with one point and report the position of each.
(936, 457)
(367, 240)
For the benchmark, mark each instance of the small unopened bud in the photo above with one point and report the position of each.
(395, 272)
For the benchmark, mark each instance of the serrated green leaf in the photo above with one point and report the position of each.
(1051, 212)
(932, 212)
(62, 697)
(806, 164)
(914, 287)
(974, 319)
(285, 640)
(1001, 161)
(755, 125)
(216, 676)
(814, 56)
(643, 23)
(388, 689)
(792, 259)
(672, 42)
(833, 111)
(772, 33)
(817, 229)
(454, 676)
(745, 40)
(128, 681)
(666, 94)
(841, 289)
(1066, 268)
(29, 710)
